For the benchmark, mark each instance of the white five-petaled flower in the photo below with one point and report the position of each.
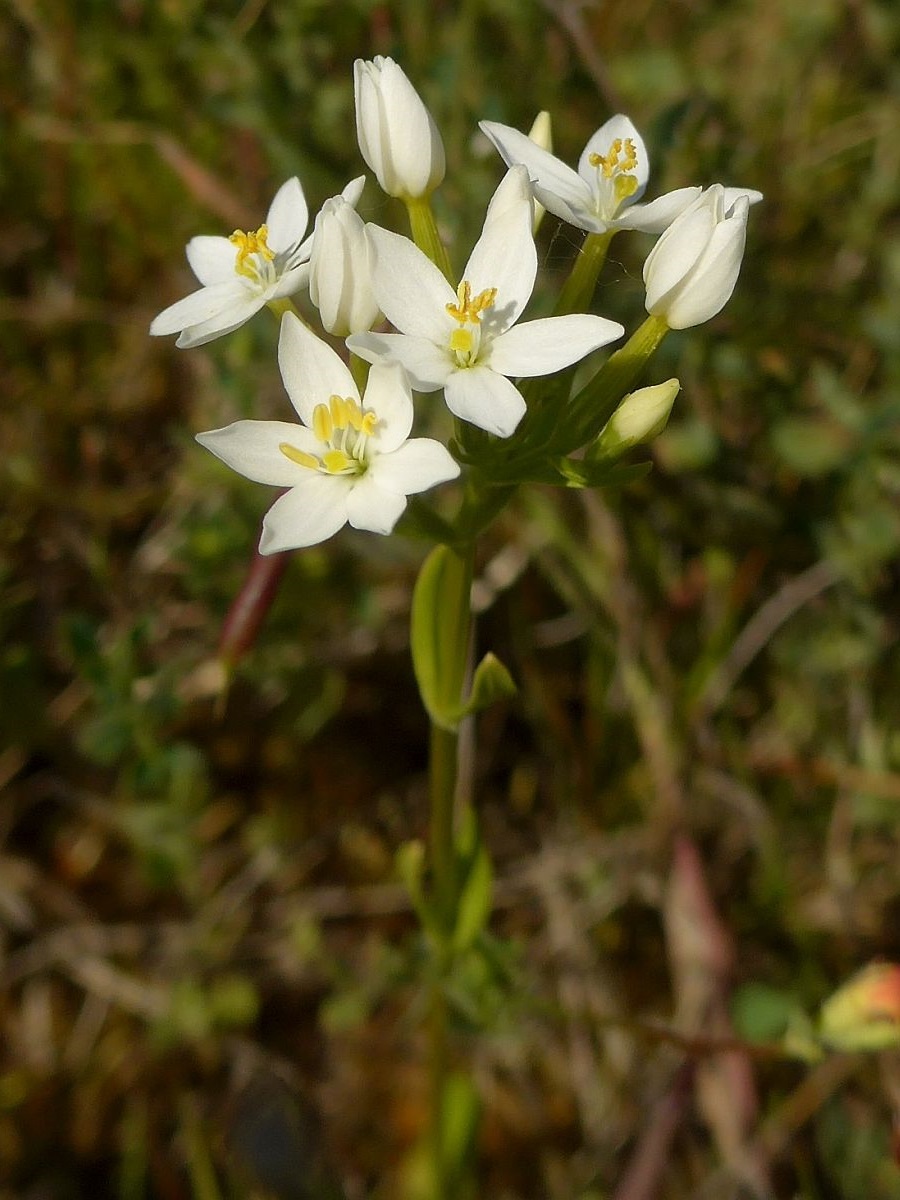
(601, 196)
(350, 460)
(397, 134)
(691, 271)
(242, 273)
(466, 341)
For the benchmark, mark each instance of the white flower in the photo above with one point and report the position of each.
(340, 279)
(691, 271)
(601, 196)
(351, 459)
(397, 135)
(242, 273)
(465, 341)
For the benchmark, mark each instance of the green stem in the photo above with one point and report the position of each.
(578, 290)
(589, 411)
(450, 627)
(359, 369)
(442, 771)
(425, 233)
(281, 306)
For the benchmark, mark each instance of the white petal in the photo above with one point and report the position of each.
(208, 331)
(732, 194)
(416, 149)
(410, 290)
(621, 127)
(310, 512)
(416, 466)
(657, 215)
(370, 124)
(544, 346)
(205, 304)
(427, 365)
(560, 189)
(288, 216)
(486, 399)
(709, 286)
(372, 507)
(251, 449)
(677, 252)
(354, 190)
(311, 370)
(504, 258)
(388, 395)
(291, 281)
(212, 259)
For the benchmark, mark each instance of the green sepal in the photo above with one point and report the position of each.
(439, 633)
(491, 682)
(476, 886)
(579, 473)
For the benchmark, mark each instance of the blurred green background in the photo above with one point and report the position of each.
(210, 983)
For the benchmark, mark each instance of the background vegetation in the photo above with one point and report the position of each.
(209, 979)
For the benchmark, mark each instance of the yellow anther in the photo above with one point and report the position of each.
(323, 424)
(467, 310)
(622, 157)
(367, 424)
(339, 411)
(336, 462)
(251, 243)
(300, 457)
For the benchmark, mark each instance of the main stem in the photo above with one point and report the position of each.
(443, 756)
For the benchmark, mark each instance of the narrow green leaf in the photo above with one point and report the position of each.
(439, 633)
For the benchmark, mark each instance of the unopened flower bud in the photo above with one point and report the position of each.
(864, 1014)
(639, 418)
(340, 279)
(541, 133)
(397, 135)
(691, 271)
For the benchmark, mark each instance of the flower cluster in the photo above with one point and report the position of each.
(351, 458)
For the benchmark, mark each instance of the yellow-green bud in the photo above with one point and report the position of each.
(639, 418)
(864, 1014)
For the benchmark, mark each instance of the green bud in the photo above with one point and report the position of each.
(639, 418)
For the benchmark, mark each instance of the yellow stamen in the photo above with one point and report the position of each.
(248, 244)
(622, 158)
(467, 310)
(340, 411)
(300, 457)
(323, 423)
(336, 461)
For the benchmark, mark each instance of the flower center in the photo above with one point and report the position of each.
(253, 252)
(466, 340)
(344, 429)
(614, 174)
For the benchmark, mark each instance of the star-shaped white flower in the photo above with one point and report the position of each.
(351, 460)
(601, 196)
(242, 273)
(467, 341)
